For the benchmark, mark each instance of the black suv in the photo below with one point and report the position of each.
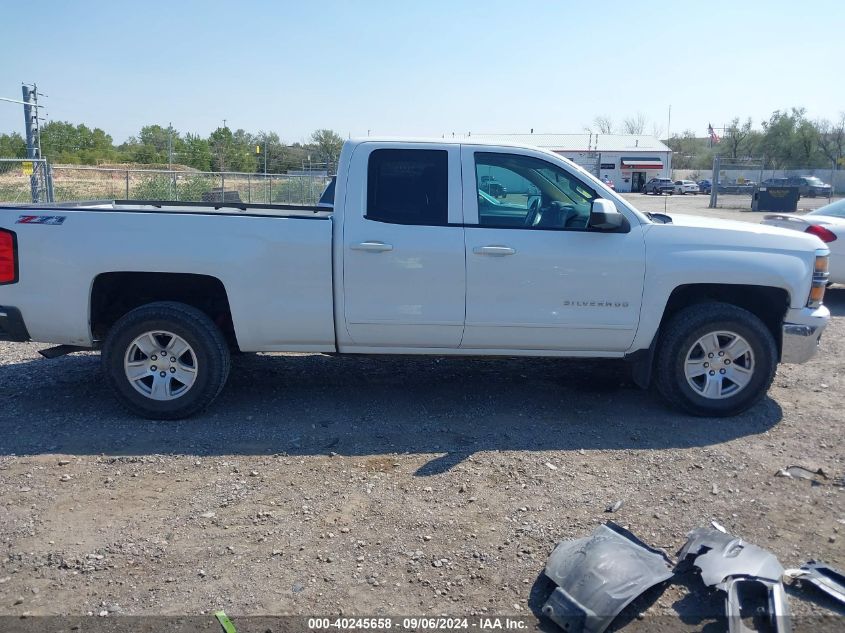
(659, 185)
(493, 187)
(809, 186)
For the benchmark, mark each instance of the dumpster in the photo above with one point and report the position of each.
(783, 199)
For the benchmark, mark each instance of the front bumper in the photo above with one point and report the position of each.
(12, 327)
(802, 329)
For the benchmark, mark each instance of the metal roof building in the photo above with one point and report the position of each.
(627, 160)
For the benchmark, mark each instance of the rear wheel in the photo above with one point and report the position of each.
(715, 359)
(165, 361)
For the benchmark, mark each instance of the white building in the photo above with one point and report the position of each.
(628, 160)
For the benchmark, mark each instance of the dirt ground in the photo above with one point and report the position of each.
(324, 485)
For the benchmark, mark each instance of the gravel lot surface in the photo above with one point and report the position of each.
(328, 485)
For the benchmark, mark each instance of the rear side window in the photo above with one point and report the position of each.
(408, 186)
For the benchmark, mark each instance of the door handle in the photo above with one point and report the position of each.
(372, 247)
(495, 251)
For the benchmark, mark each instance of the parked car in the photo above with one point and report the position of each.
(705, 186)
(659, 186)
(828, 224)
(737, 187)
(493, 187)
(684, 187)
(808, 186)
(406, 263)
(775, 182)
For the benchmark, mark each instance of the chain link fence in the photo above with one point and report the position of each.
(736, 181)
(70, 183)
(24, 180)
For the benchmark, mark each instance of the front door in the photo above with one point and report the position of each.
(537, 277)
(404, 277)
(637, 181)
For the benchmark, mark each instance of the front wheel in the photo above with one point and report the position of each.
(165, 360)
(715, 359)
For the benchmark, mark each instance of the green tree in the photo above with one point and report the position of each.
(832, 139)
(63, 142)
(790, 141)
(735, 137)
(327, 144)
(231, 152)
(12, 146)
(193, 150)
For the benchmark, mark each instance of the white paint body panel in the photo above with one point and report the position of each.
(276, 271)
(295, 284)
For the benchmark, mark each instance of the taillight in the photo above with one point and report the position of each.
(8, 257)
(822, 233)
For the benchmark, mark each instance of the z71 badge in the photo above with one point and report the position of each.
(53, 220)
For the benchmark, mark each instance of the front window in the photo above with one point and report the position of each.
(529, 193)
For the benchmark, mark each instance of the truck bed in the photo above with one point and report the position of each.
(274, 262)
(210, 208)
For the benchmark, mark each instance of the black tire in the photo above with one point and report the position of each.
(195, 328)
(688, 326)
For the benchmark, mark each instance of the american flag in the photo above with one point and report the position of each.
(714, 138)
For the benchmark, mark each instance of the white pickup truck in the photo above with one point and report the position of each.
(415, 256)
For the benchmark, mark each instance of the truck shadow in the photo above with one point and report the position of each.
(311, 405)
(834, 299)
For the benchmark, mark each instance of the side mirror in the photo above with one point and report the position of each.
(604, 216)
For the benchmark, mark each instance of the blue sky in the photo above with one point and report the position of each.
(420, 68)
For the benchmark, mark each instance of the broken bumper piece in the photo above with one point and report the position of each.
(749, 575)
(600, 575)
(823, 577)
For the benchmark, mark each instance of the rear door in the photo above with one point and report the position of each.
(404, 277)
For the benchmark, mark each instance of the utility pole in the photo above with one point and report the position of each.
(222, 169)
(173, 192)
(33, 149)
(714, 182)
(669, 124)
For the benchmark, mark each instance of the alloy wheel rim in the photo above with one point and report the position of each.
(160, 365)
(719, 365)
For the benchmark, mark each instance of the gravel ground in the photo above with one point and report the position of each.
(328, 485)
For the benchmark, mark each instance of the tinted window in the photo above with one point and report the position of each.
(533, 194)
(408, 186)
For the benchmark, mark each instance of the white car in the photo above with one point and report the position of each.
(828, 224)
(684, 187)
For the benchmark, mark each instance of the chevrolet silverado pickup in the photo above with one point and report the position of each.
(413, 256)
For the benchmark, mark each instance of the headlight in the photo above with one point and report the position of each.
(820, 277)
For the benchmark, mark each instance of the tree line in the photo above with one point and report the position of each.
(222, 150)
(787, 140)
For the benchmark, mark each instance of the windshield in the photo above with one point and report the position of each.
(813, 181)
(836, 209)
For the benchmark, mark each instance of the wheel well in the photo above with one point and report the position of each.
(767, 303)
(114, 294)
